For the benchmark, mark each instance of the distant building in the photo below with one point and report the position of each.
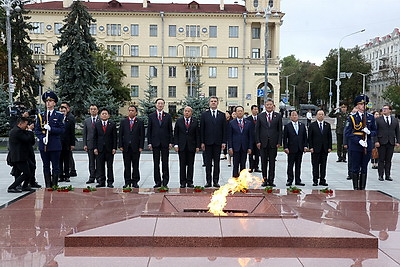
(178, 45)
(384, 55)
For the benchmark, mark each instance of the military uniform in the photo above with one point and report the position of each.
(341, 120)
(50, 150)
(360, 143)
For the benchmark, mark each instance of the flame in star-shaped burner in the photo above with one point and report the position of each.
(240, 184)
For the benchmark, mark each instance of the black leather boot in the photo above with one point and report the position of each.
(47, 180)
(363, 181)
(354, 177)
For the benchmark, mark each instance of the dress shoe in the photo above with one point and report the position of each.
(190, 185)
(223, 158)
(380, 178)
(349, 177)
(14, 190)
(229, 165)
(36, 185)
(90, 181)
(388, 178)
(264, 184)
(100, 185)
(182, 186)
(315, 184)
(339, 160)
(73, 174)
(288, 184)
(135, 185)
(203, 165)
(157, 186)
(272, 184)
(324, 184)
(344, 160)
(67, 180)
(217, 185)
(300, 184)
(26, 188)
(61, 179)
(250, 170)
(110, 186)
(207, 185)
(257, 170)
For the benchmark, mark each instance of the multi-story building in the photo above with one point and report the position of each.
(384, 55)
(220, 46)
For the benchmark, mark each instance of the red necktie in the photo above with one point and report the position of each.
(269, 117)
(93, 121)
(104, 127)
(160, 118)
(187, 123)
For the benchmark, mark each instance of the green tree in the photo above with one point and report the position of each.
(146, 105)
(76, 64)
(392, 94)
(4, 117)
(196, 101)
(105, 62)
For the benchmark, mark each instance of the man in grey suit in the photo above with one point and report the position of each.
(88, 133)
(268, 139)
(386, 138)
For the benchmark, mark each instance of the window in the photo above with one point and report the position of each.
(212, 90)
(57, 27)
(255, 3)
(233, 52)
(212, 72)
(172, 71)
(134, 90)
(172, 51)
(114, 29)
(172, 31)
(115, 48)
(191, 91)
(255, 33)
(153, 50)
(38, 49)
(134, 29)
(192, 30)
(271, 3)
(255, 53)
(193, 51)
(171, 91)
(233, 31)
(232, 72)
(153, 30)
(93, 29)
(38, 27)
(57, 72)
(134, 50)
(232, 91)
(58, 51)
(153, 89)
(213, 32)
(135, 71)
(212, 51)
(153, 71)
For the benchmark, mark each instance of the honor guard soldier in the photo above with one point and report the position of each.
(341, 116)
(360, 130)
(49, 127)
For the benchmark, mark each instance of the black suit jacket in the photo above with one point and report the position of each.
(268, 133)
(131, 138)
(105, 141)
(187, 138)
(159, 135)
(253, 123)
(292, 141)
(213, 130)
(318, 141)
(68, 136)
(20, 144)
(387, 133)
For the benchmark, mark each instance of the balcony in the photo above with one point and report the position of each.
(190, 61)
(40, 58)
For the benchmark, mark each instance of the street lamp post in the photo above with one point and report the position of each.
(287, 84)
(364, 75)
(294, 95)
(338, 83)
(330, 92)
(7, 6)
(309, 91)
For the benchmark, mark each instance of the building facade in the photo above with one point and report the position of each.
(384, 55)
(220, 46)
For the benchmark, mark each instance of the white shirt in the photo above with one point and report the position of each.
(309, 115)
(386, 118)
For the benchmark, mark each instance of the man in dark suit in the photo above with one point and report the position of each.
(48, 128)
(213, 139)
(70, 116)
(387, 137)
(187, 143)
(268, 134)
(20, 142)
(88, 145)
(160, 139)
(67, 144)
(320, 144)
(295, 144)
(105, 147)
(254, 157)
(240, 140)
(131, 143)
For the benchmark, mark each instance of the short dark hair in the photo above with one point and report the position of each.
(320, 110)
(21, 120)
(65, 103)
(290, 113)
(133, 106)
(269, 100)
(239, 107)
(253, 106)
(213, 96)
(155, 102)
(105, 109)
(93, 105)
(389, 106)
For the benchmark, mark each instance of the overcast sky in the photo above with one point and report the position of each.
(312, 27)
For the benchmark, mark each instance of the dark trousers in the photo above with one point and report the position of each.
(268, 156)
(318, 161)
(341, 151)
(92, 164)
(254, 157)
(294, 159)
(131, 166)
(186, 166)
(164, 153)
(102, 158)
(65, 157)
(239, 161)
(359, 161)
(212, 157)
(349, 162)
(385, 159)
(23, 167)
(72, 162)
(54, 158)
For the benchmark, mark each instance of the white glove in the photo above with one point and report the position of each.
(363, 143)
(47, 127)
(365, 130)
(45, 140)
